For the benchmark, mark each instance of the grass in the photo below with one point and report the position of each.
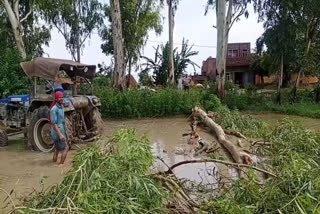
(108, 179)
(252, 101)
(295, 158)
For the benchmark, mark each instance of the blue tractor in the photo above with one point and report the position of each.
(28, 114)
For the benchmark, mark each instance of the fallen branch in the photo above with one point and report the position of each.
(262, 142)
(235, 133)
(218, 131)
(46, 209)
(218, 161)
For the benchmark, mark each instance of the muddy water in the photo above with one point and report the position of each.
(273, 118)
(22, 170)
(169, 145)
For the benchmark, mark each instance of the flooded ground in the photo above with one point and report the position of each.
(23, 171)
(273, 118)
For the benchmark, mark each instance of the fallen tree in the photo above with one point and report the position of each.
(218, 132)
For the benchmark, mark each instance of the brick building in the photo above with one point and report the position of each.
(237, 66)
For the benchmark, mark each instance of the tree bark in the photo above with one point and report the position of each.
(221, 49)
(119, 68)
(171, 26)
(129, 72)
(78, 34)
(13, 15)
(280, 81)
(218, 131)
(296, 85)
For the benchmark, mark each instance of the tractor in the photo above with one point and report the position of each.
(28, 114)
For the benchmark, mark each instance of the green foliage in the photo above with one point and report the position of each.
(138, 17)
(145, 78)
(254, 101)
(245, 124)
(109, 183)
(144, 103)
(35, 34)
(294, 158)
(160, 64)
(74, 19)
(13, 80)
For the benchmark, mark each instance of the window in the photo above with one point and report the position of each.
(244, 52)
(235, 53)
(228, 76)
(232, 53)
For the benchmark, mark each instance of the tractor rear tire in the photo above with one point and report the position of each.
(3, 138)
(39, 130)
(97, 121)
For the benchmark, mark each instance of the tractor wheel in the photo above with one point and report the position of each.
(97, 121)
(69, 130)
(3, 138)
(39, 130)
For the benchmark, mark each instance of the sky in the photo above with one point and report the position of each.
(190, 23)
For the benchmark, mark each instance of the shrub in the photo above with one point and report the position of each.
(145, 103)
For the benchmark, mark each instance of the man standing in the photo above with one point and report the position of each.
(58, 128)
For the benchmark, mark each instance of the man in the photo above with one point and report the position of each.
(58, 129)
(180, 86)
(186, 84)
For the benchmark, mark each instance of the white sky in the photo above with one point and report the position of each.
(190, 23)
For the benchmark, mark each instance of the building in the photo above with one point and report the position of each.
(237, 65)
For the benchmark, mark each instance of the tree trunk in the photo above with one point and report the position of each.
(171, 26)
(280, 82)
(78, 34)
(296, 85)
(129, 73)
(218, 131)
(119, 68)
(221, 49)
(317, 90)
(13, 15)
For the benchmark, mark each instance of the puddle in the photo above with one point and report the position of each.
(169, 144)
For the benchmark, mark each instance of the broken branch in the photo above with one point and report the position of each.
(219, 161)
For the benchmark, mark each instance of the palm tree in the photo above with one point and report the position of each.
(160, 64)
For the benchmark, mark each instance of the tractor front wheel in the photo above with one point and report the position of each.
(39, 130)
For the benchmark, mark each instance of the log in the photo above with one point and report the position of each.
(218, 131)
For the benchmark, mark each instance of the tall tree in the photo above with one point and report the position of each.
(281, 41)
(227, 12)
(138, 17)
(304, 14)
(75, 20)
(118, 47)
(22, 17)
(172, 8)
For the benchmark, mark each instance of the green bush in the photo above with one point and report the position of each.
(144, 103)
(13, 80)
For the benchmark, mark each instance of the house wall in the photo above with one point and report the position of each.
(239, 48)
